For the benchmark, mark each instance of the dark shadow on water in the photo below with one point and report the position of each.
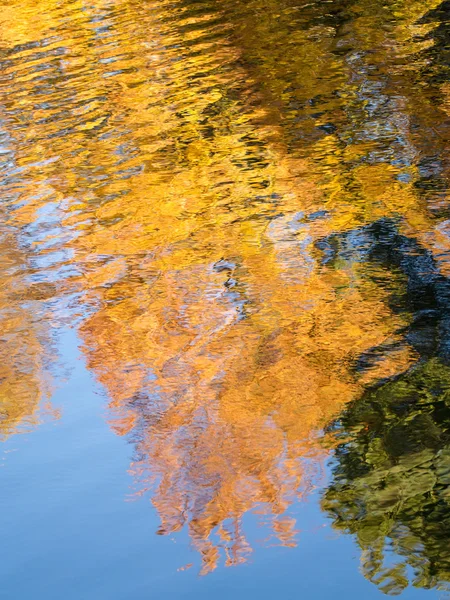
(391, 475)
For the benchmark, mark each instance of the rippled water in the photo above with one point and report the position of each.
(225, 262)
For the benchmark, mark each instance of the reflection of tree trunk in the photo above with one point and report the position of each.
(427, 293)
(391, 474)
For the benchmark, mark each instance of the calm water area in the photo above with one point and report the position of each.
(224, 299)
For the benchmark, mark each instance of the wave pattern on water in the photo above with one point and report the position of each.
(244, 211)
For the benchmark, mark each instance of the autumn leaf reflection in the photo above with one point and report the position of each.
(25, 347)
(220, 175)
(224, 336)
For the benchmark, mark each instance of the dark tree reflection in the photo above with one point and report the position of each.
(390, 485)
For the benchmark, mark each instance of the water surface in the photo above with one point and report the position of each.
(224, 303)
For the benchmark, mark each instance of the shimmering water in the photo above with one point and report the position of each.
(224, 301)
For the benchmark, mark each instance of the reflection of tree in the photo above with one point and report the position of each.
(209, 161)
(391, 479)
(224, 333)
(222, 341)
(374, 134)
(24, 343)
(221, 406)
(391, 483)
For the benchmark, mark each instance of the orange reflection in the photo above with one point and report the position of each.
(193, 206)
(25, 348)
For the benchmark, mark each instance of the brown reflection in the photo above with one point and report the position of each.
(197, 166)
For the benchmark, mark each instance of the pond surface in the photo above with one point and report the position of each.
(225, 299)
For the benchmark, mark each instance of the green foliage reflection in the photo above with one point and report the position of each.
(391, 484)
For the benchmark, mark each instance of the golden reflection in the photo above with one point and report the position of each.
(200, 164)
(24, 343)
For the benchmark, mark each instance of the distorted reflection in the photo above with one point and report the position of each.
(244, 205)
(391, 479)
(391, 483)
(26, 348)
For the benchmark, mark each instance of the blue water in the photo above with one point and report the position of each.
(72, 529)
(224, 280)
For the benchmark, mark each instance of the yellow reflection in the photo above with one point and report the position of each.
(195, 209)
(24, 345)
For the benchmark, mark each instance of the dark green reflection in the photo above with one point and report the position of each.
(391, 482)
